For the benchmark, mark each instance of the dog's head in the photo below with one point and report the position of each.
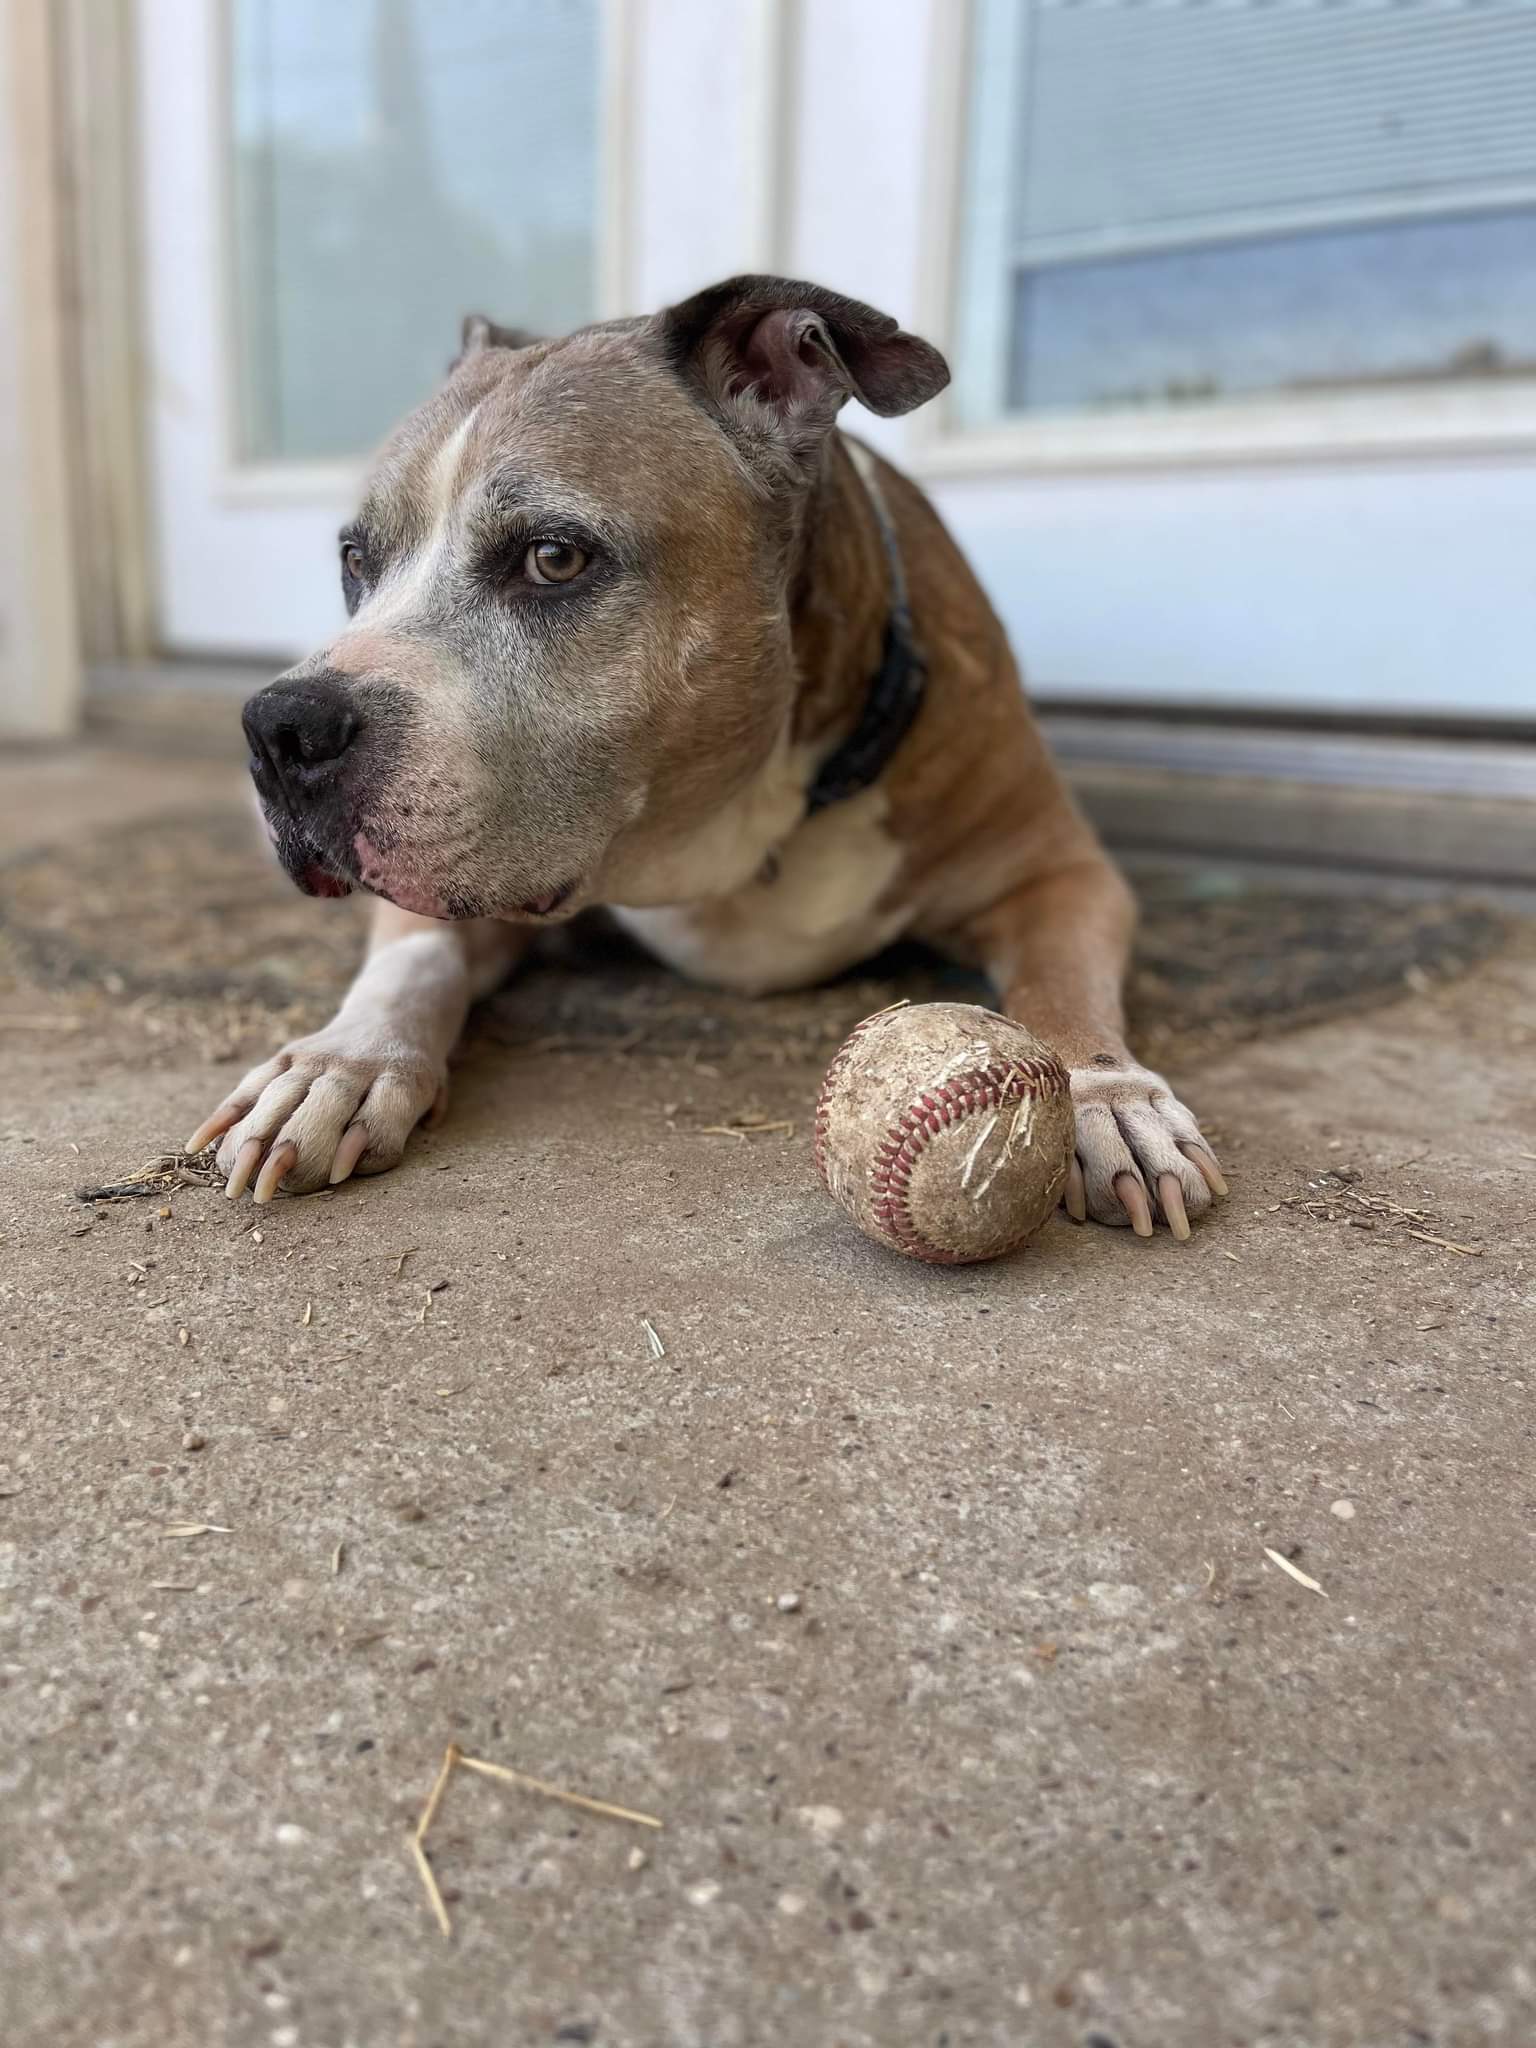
(569, 595)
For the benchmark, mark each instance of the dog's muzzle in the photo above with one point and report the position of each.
(300, 731)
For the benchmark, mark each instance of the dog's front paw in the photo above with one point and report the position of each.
(344, 1101)
(1139, 1151)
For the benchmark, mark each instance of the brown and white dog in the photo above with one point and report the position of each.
(619, 606)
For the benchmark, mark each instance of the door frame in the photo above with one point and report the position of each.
(92, 218)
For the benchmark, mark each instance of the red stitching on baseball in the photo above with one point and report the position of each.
(981, 1088)
(937, 1109)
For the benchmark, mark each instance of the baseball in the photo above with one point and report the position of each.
(945, 1131)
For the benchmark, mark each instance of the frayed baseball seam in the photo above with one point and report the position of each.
(938, 1109)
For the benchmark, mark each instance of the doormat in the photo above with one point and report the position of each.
(190, 911)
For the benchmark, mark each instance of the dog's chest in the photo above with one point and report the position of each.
(821, 904)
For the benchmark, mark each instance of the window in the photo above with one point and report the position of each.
(1168, 204)
(397, 163)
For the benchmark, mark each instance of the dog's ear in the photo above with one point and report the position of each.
(797, 350)
(480, 333)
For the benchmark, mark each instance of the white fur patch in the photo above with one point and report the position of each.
(403, 590)
(725, 853)
(820, 913)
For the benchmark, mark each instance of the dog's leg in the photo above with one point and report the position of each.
(346, 1100)
(1057, 949)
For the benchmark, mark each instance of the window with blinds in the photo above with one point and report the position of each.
(1177, 200)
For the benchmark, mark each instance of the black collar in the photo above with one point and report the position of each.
(895, 692)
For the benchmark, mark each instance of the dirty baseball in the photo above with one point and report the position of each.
(945, 1131)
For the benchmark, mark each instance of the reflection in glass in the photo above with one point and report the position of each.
(398, 163)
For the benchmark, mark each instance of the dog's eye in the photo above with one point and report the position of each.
(554, 561)
(352, 563)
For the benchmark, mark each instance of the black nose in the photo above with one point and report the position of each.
(300, 726)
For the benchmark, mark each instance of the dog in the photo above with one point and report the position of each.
(633, 623)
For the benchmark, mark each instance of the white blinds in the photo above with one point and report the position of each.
(1146, 124)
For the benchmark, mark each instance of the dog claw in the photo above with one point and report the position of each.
(1205, 1165)
(1142, 1157)
(1075, 1195)
(213, 1127)
(247, 1159)
(353, 1145)
(1133, 1199)
(270, 1179)
(1170, 1198)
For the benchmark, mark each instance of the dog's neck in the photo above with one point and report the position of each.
(840, 599)
(840, 608)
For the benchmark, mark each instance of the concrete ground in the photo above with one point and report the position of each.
(929, 1609)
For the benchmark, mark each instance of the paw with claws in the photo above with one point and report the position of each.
(342, 1102)
(1139, 1152)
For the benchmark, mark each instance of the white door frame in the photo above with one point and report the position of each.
(39, 638)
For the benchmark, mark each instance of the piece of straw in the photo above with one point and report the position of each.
(1295, 1571)
(453, 1759)
(433, 1894)
(474, 1763)
(451, 1756)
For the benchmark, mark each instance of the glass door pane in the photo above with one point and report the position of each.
(396, 163)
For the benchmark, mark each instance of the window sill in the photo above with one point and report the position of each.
(1433, 420)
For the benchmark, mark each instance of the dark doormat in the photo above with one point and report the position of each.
(190, 911)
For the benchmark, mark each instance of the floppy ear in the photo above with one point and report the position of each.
(480, 333)
(797, 350)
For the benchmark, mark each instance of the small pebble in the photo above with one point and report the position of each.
(788, 1603)
(1344, 1509)
(638, 1859)
(164, 1215)
(194, 1440)
(823, 1821)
